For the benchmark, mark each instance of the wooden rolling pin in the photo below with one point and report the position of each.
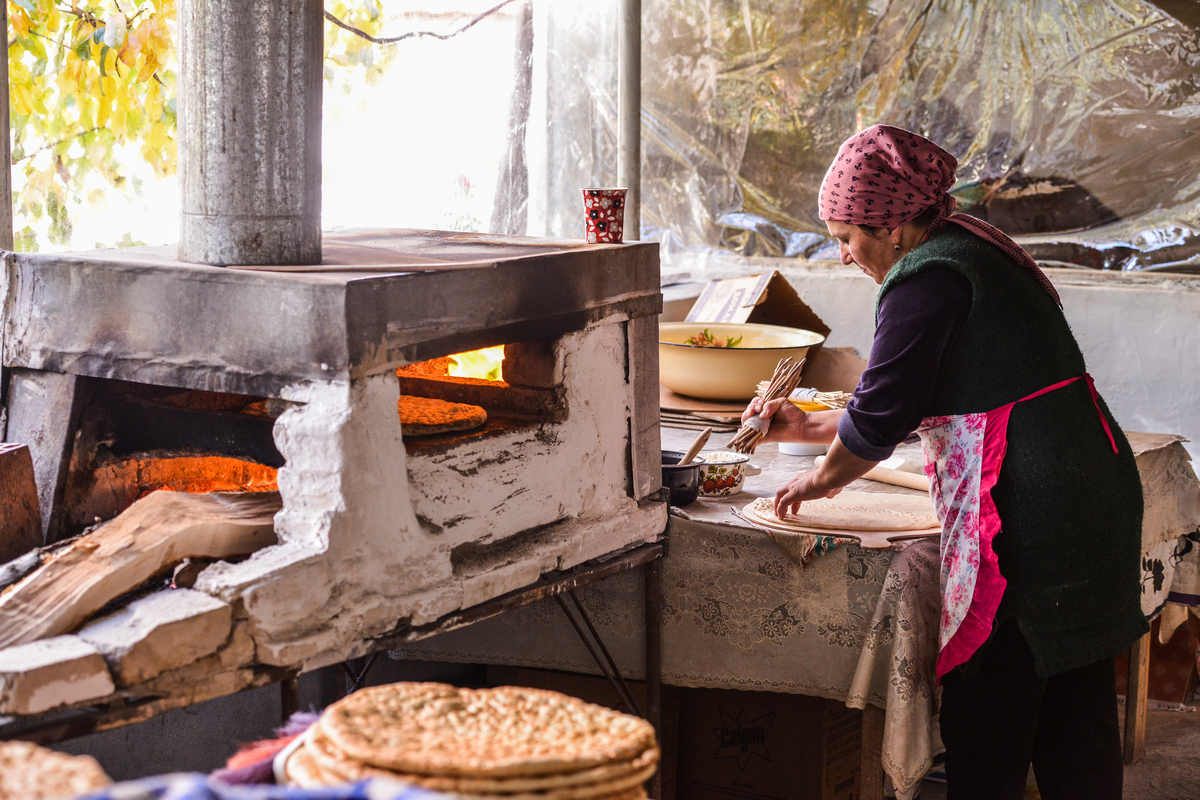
(894, 477)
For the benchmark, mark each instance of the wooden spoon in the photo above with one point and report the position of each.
(699, 442)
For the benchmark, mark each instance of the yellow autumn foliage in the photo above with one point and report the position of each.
(75, 100)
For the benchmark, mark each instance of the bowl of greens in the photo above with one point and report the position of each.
(725, 360)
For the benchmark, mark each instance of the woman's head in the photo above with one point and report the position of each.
(883, 189)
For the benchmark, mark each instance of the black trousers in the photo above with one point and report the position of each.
(998, 717)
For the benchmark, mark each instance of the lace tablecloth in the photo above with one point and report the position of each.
(855, 625)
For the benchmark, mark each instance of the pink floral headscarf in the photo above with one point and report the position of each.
(886, 176)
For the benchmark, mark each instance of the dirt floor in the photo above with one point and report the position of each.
(1170, 770)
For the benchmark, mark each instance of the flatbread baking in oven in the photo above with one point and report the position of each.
(425, 416)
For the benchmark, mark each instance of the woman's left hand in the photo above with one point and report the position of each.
(839, 468)
(800, 488)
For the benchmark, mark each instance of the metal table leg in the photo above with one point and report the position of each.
(653, 579)
(289, 698)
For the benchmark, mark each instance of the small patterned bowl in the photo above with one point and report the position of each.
(722, 473)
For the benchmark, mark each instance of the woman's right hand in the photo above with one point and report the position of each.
(787, 420)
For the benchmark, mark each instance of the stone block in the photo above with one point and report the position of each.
(162, 632)
(49, 673)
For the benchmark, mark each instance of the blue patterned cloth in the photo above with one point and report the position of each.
(196, 786)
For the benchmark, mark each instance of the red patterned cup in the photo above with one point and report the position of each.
(604, 215)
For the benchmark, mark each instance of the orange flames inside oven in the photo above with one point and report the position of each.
(197, 474)
(484, 364)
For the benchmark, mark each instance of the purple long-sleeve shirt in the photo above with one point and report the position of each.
(919, 319)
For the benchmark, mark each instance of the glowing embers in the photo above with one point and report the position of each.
(116, 483)
(485, 364)
(194, 473)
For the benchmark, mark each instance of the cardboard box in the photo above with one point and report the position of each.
(766, 299)
(766, 746)
(770, 300)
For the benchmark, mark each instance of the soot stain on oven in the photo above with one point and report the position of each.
(472, 558)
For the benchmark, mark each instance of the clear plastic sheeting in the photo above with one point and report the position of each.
(1074, 120)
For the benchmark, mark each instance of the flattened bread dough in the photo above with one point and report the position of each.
(855, 511)
(425, 416)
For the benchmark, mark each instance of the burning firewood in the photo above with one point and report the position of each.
(153, 534)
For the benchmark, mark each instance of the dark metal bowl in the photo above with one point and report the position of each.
(682, 480)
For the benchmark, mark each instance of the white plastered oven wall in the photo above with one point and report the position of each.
(354, 559)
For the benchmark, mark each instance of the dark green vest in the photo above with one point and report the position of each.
(1070, 508)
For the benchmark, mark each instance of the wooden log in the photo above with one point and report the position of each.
(153, 534)
(43, 412)
(20, 513)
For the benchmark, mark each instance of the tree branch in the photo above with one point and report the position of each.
(411, 34)
(51, 145)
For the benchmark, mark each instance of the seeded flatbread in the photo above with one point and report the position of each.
(593, 791)
(434, 729)
(30, 772)
(302, 771)
(425, 416)
(636, 793)
(333, 761)
(857, 511)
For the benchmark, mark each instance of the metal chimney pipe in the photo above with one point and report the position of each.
(250, 131)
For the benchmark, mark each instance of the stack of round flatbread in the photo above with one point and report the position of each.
(510, 742)
(30, 772)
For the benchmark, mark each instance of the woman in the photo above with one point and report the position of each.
(1032, 479)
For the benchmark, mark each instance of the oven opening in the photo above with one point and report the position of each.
(133, 439)
(445, 401)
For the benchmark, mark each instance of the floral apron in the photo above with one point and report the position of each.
(963, 456)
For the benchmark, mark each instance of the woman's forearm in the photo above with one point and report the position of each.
(840, 467)
(820, 427)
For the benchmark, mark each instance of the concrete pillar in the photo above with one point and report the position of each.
(6, 220)
(629, 113)
(250, 131)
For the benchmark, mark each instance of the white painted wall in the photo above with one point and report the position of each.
(1140, 333)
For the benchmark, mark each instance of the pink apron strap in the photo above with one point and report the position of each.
(1095, 402)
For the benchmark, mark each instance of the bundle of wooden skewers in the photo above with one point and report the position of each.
(782, 384)
(831, 399)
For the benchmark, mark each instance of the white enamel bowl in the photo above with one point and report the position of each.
(726, 373)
